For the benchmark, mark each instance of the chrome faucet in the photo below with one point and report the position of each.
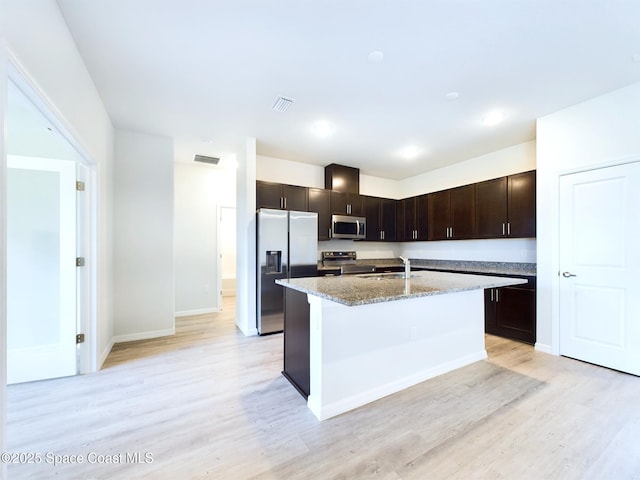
(407, 267)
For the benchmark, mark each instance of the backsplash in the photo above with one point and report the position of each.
(497, 250)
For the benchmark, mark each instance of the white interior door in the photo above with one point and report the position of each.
(600, 267)
(41, 271)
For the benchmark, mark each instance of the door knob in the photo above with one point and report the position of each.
(567, 274)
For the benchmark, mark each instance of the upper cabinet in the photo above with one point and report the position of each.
(451, 213)
(412, 219)
(381, 218)
(346, 204)
(279, 196)
(506, 206)
(320, 202)
(341, 178)
(522, 205)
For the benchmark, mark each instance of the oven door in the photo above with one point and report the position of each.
(348, 227)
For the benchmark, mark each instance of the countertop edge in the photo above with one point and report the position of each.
(498, 282)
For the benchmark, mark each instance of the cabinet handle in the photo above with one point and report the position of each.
(508, 228)
(492, 294)
(497, 295)
(285, 202)
(329, 233)
(503, 229)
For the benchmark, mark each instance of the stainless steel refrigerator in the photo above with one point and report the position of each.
(287, 247)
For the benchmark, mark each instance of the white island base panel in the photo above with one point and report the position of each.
(359, 354)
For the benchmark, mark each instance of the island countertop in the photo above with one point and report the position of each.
(353, 290)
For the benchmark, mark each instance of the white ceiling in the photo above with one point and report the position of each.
(207, 72)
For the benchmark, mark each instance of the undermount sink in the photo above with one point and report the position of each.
(382, 276)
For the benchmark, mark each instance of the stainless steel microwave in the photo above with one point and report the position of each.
(343, 226)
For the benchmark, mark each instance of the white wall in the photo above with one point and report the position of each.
(279, 170)
(515, 159)
(143, 236)
(598, 132)
(246, 238)
(227, 245)
(199, 190)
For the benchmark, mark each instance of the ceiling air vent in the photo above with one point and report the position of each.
(282, 104)
(205, 159)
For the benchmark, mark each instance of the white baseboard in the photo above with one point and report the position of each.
(202, 311)
(105, 353)
(543, 347)
(144, 335)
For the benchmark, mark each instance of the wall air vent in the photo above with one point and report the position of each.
(282, 104)
(205, 159)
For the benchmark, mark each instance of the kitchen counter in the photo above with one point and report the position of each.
(350, 340)
(352, 290)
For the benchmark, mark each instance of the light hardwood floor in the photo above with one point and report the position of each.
(211, 403)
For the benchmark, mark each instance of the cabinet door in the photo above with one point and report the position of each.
(410, 227)
(346, 204)
(522, 204)
(320, 202)
(372, 212)
(462, 212)
(422, 217)
(295, 198)
(268, 195)
(491, 208)
(388, 219)
(516, 313)
(357, 204)
(339, 203)
(490, 311)
(438, 216)
(401, 221)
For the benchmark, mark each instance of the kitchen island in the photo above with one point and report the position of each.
(369, 336)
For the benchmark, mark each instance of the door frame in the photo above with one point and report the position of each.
(87, 223)
(555, 281)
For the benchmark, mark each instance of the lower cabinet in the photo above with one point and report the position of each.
(510, 312)
(296, 340)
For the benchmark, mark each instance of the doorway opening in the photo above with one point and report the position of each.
(50, 230)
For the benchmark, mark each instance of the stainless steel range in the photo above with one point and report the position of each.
(346, 261)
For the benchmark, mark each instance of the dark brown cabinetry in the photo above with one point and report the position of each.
(320, 202)
(506, 206)
(341, 178)
(451, 213)
(381, 218)
(511, 311)
(412, 219)
(296, 341)
(346, 204)
(280, 196)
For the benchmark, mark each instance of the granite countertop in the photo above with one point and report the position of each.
(353, 290)
(499, 268)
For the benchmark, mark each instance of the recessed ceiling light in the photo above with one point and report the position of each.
(452, 96)
(375, 57)
(492, 118)
(410, 151)
(322, 128)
